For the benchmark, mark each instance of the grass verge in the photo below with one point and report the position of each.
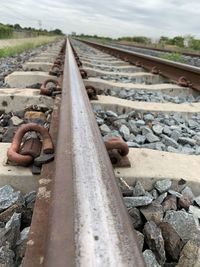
(173, 57)
(27, 45)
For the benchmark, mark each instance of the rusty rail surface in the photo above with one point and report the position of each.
(80, 219)
(172, 70)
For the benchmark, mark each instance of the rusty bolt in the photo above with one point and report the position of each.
(44, 90)
(91, 92)
(83, 74)
(117, 151)
(182, 81)
(155, 70)
(13, 151)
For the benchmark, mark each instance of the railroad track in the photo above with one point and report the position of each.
(149, 126)
(191, 54)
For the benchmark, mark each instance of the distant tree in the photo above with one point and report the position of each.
(17, 27)
(57, 32)
(178, 41)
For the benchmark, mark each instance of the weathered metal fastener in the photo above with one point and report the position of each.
(83, 74)
(55, 70)
(32, 147)
(13, 151)
(91, 92)
(184, 82)
(155, 70)
(44, 90)
(138, 64)
(118, 151)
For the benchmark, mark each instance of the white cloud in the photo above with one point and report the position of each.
(115, 18)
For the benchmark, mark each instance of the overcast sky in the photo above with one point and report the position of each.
(115, 18)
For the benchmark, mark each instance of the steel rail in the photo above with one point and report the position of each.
(191, 54)
(166, 68)
(86, 222)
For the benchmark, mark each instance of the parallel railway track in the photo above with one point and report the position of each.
(79, 217)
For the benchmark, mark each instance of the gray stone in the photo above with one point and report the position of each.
(104, 129)
(139, 123)
(148, 117)
(125, 132)
(138, 189)
(135, 217)
(170, 203)
(173, 242)
(151, 138)
(13, 229)
(169, 141)
(153, 212)
(30, 197)
(154, 239)
(161, 198)
(21, 244)
(118, 123)
(100, 121)
(166, 130)
(186, 140)
(158, 129)
(140, 239)
(163, 185)
(110, 113)
(154, 193)
(16, 121)
(190, 255)
(187, 191)
(9, 134)
(8, 197)
(159, 146)
(137, 201)
(131, 137)
(183, 223)
(171, 149)
(187, 150)
(133, 127)
(123, 116)
(174, 193)
(192, 123)
(146, 130)
(111, 134)
(197, 200)
(195, 211)
(6, 257)
(150, 259)
(140, 139)
(175, 135)
(133, 144)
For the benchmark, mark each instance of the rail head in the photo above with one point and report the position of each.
(88, 224)
(172, 70)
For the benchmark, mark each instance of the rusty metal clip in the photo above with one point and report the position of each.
(91, 92)
(83, 74)
(13, 151)
(155, 70)
(138, 64)
(55, 70)
(44, 90)
(118, 151)
(182, 81)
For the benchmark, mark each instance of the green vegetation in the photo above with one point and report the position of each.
(29, 44)
(178, 43)
(8, 30)
(136, 39)
(5, 31)
(173, 57)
